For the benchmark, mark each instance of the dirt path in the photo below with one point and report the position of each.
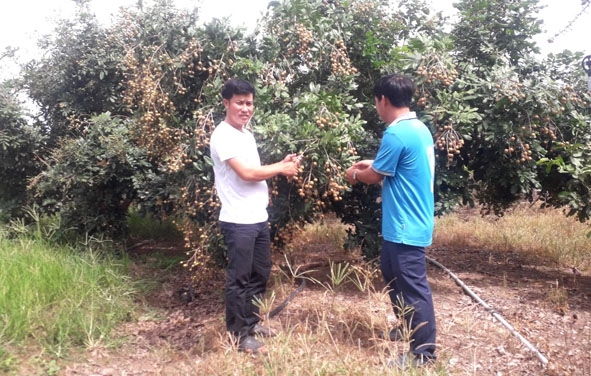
(550, 308)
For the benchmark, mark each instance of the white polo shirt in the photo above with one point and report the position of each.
(243, 202)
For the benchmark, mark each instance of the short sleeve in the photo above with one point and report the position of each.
(388, 155)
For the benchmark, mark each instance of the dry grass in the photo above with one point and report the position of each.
(332, 327)
(322, 332)
(542, 235)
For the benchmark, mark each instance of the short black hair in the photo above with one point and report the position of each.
(397, 88)
(236, 86)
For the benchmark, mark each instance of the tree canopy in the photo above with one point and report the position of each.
(127, 110)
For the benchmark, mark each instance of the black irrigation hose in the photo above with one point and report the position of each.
(291, 296)
(495, 314)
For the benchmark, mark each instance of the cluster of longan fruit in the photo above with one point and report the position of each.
(548, 132)
(306, 187)
(517, 149)
(308, 183)
(334, 190)
(285, 235)
(305, 37)
(340, 63)
(197, 200)
(196, 241)
(155, 136)
(432, 70)
(144, 93)
(175, 161)
(143, 87)
(365, 7)
(424, 98)
(200, 198)
(191, 58)
(571, 96)
(448, 141)
(510, 89)
(326, 121)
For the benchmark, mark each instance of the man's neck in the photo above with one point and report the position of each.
(395, 113)
(239, 127)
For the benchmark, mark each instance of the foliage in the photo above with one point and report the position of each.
(20, 144)
(571, 177)
(490, 29)
(173, 91)
(77, 78)
(507, 124)
(92, 180)
(142, 226)
(495, 113)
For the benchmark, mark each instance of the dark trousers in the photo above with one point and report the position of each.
(249, 267)
(405, 271)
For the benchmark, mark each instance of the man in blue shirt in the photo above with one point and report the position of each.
(405, 166)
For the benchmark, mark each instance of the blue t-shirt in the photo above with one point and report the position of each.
(406, 158)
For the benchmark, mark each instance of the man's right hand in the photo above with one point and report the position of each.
(290, 168)
(362, 165)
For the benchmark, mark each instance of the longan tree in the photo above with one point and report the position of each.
(507, 124)
(20, 144)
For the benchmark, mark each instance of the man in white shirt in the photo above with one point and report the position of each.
(242, 189)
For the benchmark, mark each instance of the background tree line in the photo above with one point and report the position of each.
(126, 110)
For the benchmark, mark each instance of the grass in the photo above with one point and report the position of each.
(56, 298)
(543, 235)
(146, 227)
(62, 298)
(333, 329)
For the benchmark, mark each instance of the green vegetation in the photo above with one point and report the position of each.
(148, 227)
(127, 110)
(59, 297)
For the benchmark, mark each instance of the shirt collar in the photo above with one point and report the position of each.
(226, 124)
(406, 116)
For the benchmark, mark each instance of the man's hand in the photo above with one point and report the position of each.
(290, 164)
(351, 175)
(361, 172)
(292, 158)
(362, 165)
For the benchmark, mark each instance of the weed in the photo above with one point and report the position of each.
(338, 274)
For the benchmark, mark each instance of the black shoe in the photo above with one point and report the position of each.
(394, 335)
(409, 360)
(251, 345)
(263, 331)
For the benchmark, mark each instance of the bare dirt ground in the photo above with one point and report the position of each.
(549, 307)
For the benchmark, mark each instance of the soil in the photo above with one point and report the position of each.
(549, 308)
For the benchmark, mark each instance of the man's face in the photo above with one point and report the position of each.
(239, 109)
(380, 106)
